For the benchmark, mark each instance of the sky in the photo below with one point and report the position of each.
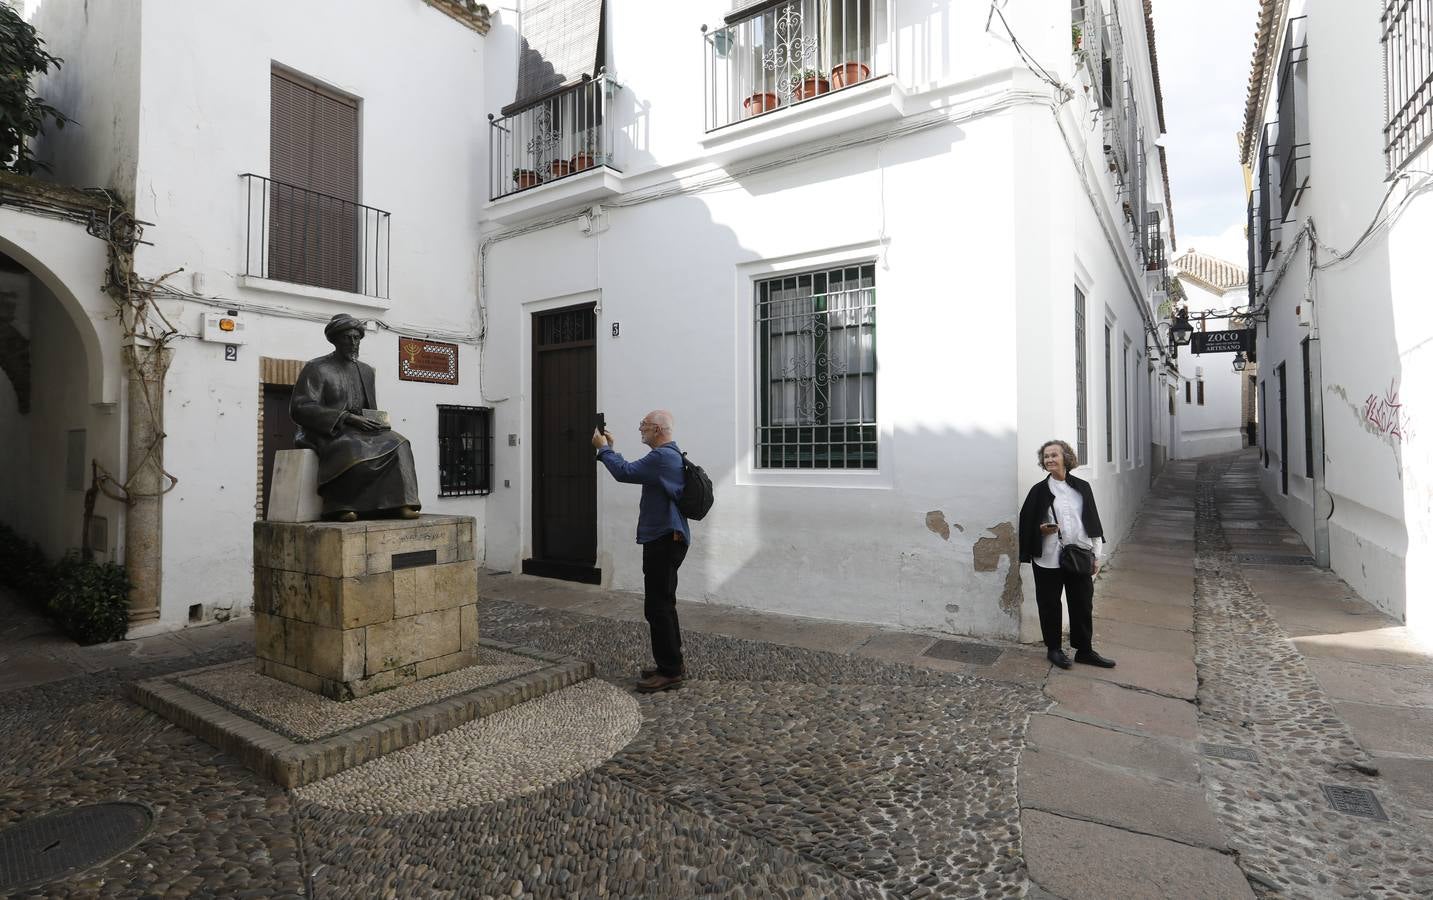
(1204, 48)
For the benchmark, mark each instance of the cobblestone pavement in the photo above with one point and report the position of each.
(1256, 692)
(809, 759)
(777, 771)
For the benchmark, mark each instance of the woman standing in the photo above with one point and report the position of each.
(1058, 511)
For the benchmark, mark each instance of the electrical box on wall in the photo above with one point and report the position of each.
(1304, 313)
(223, 328)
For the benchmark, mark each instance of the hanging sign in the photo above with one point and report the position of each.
(430, 361)
(1223, 341)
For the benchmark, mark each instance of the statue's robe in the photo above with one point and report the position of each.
(361, 471)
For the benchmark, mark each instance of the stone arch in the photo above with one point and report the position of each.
(71, 263)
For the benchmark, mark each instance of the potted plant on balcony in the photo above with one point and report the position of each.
(849, 73)
(808, 83)
(523, 179)
(1077, 38)
(558, 168)
(759, 103)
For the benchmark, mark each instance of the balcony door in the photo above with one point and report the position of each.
(564, 489)
(314, 218)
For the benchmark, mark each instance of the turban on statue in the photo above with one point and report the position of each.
(341, 323)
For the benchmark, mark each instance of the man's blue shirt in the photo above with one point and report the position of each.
(660, 475)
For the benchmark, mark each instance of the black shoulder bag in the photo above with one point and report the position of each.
(1073, 558)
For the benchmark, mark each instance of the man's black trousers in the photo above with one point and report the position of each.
(660, 561)
(1079, 593)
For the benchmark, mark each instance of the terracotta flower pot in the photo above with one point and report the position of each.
(558, 168)
(811, 87)
(523, 179)
(582, 161)
(757, 104)
(847, 74)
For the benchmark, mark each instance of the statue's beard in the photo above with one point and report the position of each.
(349, 354)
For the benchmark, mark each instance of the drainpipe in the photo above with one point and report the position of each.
(1322, 501)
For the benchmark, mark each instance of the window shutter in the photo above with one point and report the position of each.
(313, 158)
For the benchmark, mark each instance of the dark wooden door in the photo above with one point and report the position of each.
(278, 432)
(564, 374)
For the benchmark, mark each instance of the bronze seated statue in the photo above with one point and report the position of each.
(365, 468)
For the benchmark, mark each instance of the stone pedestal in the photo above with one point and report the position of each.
(349, 609)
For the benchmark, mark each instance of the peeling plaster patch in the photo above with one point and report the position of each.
(935, 521)
(952, 608)
(987, 552)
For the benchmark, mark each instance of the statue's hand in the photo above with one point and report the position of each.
(363, 423)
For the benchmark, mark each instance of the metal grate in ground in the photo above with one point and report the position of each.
(964, 651)
(43, 849)
(1273, 559)
(1228, 751)
(1354, 801)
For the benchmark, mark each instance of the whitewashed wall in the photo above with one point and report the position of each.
(980, 231)
(200, 120)
(1370, 335)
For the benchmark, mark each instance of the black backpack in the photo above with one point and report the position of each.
(696, 500)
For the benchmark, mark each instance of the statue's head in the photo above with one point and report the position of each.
(345, 333)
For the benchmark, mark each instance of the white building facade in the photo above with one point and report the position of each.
(1337, 133)
(868, 256)
(286, 174)
(1209, 393)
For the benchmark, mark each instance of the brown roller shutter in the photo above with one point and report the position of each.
(315, 219)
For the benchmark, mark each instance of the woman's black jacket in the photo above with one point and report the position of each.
(1032, 513)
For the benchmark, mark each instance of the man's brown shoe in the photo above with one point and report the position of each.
(648, 673)
(659, 682)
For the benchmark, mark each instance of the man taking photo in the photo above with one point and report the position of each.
(664, 535)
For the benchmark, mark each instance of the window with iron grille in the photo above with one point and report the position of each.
(1124, 414)
(1408, 79)
(816, 348)
(1201, 392)
(1109, 401)
(1292, 150)
(465, 450)
(1188, 392)
(1082, 423)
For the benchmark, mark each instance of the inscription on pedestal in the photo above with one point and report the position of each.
(349, 609)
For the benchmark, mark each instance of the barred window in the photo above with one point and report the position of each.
(1408, 79)
(465, 450)
(1109, 401)
(1082, 423)
(816, 342)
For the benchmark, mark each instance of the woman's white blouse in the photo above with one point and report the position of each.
(1070, 508)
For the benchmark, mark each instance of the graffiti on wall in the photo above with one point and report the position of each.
(1386, 414)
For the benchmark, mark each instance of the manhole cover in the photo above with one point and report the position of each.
(36, 851)
(1275, 559)
(1225, 751)
(1354, 801)
(963, 651)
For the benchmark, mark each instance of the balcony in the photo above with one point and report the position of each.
(776, 55)
(558, 137)
(302, 237)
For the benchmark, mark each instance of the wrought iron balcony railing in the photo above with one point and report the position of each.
(301, 236)
(566, 132)
(773, 55)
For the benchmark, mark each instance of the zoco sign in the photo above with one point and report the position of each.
(1223, 341)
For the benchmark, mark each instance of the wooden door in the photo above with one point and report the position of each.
(564, 374)
(278, 432)
(1283, 432)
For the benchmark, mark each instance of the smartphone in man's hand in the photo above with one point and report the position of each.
(601, 423)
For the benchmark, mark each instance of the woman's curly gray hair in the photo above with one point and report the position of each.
(1071, 460)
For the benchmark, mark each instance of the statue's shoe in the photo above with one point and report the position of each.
(347, 515)
(407, 512)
